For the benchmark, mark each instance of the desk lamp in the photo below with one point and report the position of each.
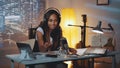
(97, 29)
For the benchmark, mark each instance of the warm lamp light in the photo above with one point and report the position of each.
(68, 17)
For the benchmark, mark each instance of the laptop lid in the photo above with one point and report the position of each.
(25, 51)
(24, 46)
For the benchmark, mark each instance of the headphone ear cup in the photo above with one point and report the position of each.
(44, 18)
(59, 19)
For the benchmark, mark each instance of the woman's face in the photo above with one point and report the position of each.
(52, 22)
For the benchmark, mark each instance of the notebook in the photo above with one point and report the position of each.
(100, 51)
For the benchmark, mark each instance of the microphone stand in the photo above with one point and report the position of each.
(83, 31)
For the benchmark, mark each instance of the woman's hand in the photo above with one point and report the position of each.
(72, 50)
(47, 45)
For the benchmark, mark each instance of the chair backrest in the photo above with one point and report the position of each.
(32, 32)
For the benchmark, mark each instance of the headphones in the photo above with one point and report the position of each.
(50, 11)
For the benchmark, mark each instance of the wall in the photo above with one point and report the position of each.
(16, 17)
(105, 13)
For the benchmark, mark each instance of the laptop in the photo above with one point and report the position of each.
(25, 51)
(24, 46)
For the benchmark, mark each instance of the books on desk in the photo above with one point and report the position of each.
(91, 51)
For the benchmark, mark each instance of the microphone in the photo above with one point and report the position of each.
(84, 18)
(64, 45)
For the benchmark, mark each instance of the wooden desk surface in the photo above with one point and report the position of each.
(41, 58)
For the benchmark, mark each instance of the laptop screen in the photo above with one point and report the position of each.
(25, 51)
(24, 46)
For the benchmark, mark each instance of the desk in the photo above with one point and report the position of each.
(42, 59)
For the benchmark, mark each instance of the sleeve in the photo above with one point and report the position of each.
(40, 30)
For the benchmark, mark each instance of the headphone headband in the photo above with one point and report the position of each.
(52, 8)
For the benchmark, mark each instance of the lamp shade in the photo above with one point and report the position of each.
(98, 29)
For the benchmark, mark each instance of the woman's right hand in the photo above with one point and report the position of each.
(47, 45)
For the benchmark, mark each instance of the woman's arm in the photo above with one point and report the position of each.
(43, 46)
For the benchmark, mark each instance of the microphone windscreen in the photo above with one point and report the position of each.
(64, 43)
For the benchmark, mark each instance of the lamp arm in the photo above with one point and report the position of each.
(110, 27)
(89, 27)
(80, 26)
(75, 25)
(107, 29)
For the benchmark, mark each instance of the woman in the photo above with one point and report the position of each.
(49, 33)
